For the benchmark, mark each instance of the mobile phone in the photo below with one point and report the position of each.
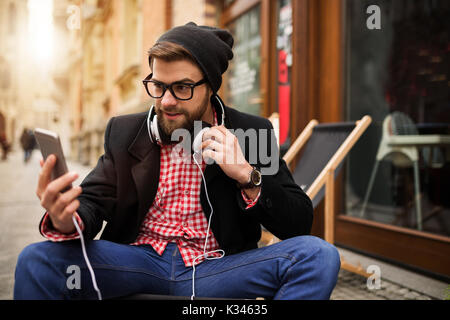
(49, 143)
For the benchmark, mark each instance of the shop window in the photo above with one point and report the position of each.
(399, 75)
(242, 84)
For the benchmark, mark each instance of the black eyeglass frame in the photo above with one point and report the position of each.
(169, 86)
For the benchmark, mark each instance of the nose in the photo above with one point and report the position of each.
(168, 99)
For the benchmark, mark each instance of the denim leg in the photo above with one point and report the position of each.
(315, 272)
(42, 270)
(303, 267)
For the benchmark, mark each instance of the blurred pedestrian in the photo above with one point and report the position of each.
(4, 145)
(28, 143)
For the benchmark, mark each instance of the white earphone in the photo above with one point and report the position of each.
(152, 126)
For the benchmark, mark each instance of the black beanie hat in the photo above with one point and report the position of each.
(210, 47)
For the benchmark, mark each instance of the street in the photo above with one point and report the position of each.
(20, 211)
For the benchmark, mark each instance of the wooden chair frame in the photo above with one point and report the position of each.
(326, 177)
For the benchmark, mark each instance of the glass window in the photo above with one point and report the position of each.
(243, 79)
(399, 172)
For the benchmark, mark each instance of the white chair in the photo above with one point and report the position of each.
(398, 144)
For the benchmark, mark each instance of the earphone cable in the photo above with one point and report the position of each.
(204, 254)
(91, 270)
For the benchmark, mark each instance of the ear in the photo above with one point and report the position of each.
(210, 92)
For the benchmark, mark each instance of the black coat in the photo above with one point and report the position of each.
(122, 187)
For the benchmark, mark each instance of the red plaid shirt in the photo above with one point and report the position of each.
(175, 215)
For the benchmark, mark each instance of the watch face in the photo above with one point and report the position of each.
(256, 177)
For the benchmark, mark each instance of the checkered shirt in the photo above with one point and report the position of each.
(176, 214)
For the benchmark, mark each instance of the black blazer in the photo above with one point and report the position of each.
(122, 187)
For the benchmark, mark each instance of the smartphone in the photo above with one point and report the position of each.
(49, 143)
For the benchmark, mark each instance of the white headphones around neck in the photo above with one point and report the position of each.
(153, 130)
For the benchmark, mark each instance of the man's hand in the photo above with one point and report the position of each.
(223, 146)
(60, 206)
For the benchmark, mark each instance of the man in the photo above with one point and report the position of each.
(28, 143)
(171, 221)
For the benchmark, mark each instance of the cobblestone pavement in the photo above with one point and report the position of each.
(352, 286)
(20, 213)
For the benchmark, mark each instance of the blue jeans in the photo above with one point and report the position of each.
(304, 267)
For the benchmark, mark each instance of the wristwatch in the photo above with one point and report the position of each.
(254, 180)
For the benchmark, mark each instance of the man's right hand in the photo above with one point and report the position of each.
(60, 206)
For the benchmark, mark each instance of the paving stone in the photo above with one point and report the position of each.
(353, 287)
(403, 291)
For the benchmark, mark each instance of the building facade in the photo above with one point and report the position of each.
(34, 76)
(13, 33)
(114, 37)
(330, 60)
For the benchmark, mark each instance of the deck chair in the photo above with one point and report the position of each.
(325, 147)
(275, 120)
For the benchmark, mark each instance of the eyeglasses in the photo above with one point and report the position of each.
(180, 90)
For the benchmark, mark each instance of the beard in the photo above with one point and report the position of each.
(167, 127)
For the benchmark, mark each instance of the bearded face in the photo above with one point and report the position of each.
(180, 114)
(172, 118)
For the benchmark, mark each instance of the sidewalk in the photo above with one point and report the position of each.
(396, 283)
(20, 213)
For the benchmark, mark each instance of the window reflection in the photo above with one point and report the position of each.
(243, 81)
(399, 173)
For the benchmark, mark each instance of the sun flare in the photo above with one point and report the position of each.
(40, 29)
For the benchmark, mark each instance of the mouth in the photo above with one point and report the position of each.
(171, 115)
